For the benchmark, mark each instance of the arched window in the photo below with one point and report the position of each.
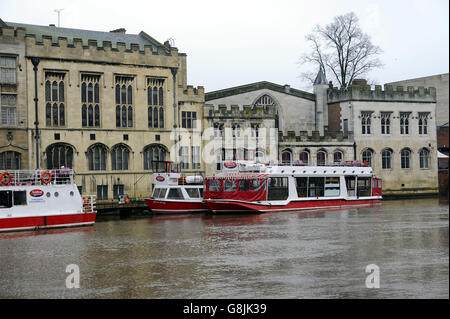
(155, 96)
(10, 160)
(59, 155)
(84, 115)
(149, 96)
(48, 114)
(264, 100)
(48, 93)
(124, 116)
(321, 158)
(96, 155)
(424, 156)
(286, 157)
(120, 157)
(90, 93)
(62, 113)
(155, 117)
(161, 100)
(96, 93)
(367, 155)
(386, 158)
(304, 158)
(150, 116)
(338, 157)
(90, 115)
(117, 94)
(55, 96)
(154, 154)
(117, 116)
(61, 91)
(405, 155)
(161, 117)
(130, 116)
(97, 116)
(54, 91)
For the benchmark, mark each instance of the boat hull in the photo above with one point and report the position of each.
(175, 207)
(229, 206)
(50, 221)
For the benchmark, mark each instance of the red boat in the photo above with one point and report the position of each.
(43, 199)
(175, 193)
(290, 188)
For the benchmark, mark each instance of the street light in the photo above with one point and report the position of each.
(58, 11)
(35, 61)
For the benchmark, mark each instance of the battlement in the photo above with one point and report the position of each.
(390, 93)
(315, 137)
(223, 111)
(192, 94)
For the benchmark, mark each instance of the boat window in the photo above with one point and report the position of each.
(229, 185)
(5, 199)
(156, 192)
(332, 186)
(316, 186)
(162, 193)
(201, 192)
(263, 184)
(214, 185)
(175, 193)
(192, 192)
(350, 184)
(278, 188)
(244, 185)
(20, 198)
(302, 186)
(255, 184)
(364, 186)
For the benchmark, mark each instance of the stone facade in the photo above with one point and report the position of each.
(107, 106)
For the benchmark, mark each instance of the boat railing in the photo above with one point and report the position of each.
(89, 202)
(37, 177)
(354, 163)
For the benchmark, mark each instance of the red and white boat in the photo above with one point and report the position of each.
(39, 199)
(175, 193)
(260, 188)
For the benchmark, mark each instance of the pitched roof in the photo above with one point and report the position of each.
(258, 86)
(54, 32)
(320, 78)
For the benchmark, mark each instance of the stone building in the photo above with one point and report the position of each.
(108, 105)
(394, 130)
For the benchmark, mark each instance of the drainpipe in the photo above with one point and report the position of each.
(354, 151)
(35, 62)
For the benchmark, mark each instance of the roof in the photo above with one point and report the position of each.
(320, 78)
(54, 32)
(258, 86)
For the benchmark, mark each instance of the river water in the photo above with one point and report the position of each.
(309, 254)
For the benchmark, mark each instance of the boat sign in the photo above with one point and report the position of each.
(160, 178)
(36, 193)
(230, 165)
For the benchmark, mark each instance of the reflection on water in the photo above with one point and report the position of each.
(309, 254)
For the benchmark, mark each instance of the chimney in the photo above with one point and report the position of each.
(121, 30)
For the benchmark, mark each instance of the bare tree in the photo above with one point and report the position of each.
(341, 50)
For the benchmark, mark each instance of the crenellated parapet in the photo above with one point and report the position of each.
(246, 112)
(315, 136)
(192, 94)
(390, 93)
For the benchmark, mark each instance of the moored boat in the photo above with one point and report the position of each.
(175, 193)
(290, 188)
(36, 199)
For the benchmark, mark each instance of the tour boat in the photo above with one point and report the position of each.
(273, 188)
(176, 193)
(36, 199)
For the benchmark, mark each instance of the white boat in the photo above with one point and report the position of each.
(261, 188)
(36, 199)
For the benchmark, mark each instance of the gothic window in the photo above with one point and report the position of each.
(304, 158)
(124, 101)
(264, 101)
(96, 155)
(386, 159)
(55, 114)
(338, 157)
(321, 158)
(424, 156)
(404, 122)
(385, 123)
(10, 160)
(423, 123)
(120, 155)
(405, 155)
(8, 105)
(286, 157)
(367, 156)
(365, 122)
(7, 69)
(154, 154)
(90, 100)
(218, 129)
(155, 101)
(59, 155)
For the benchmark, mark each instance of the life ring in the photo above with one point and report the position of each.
(46, 177)
(126, 199)
(8, 178)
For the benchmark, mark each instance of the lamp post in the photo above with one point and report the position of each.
(35, 62)
(175, 112)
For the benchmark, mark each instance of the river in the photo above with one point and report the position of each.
(309, 254)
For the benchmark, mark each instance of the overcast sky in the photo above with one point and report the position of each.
(231, 43)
